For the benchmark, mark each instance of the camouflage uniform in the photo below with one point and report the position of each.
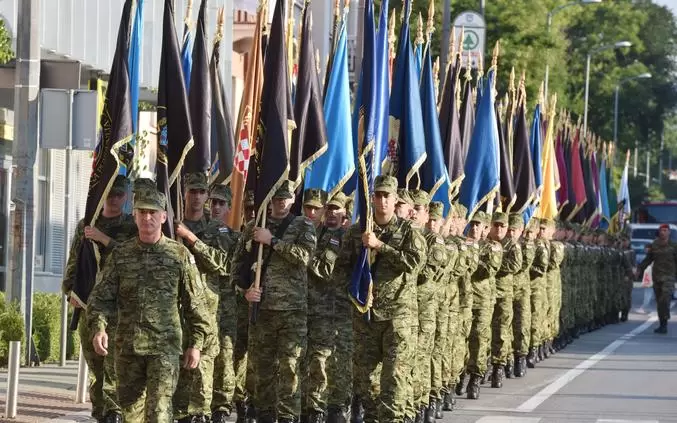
(537, 274)
(102, 379)
(148, 289)
(522, 306)
(385, 341)
(554, 282)
(663, 255)
(628, 264)
(279, 335)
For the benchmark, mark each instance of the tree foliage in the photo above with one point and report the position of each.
(6, 53)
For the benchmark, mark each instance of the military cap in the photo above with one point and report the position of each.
(480, 217)
(249, 198)
(404, 196)
(221, 192)
(350, 205)
(120, 184)
(546, 223)
(500, 217)
(339, 200)
(420, 197)
(143, 184)
(532, 225)
(285, 190)
(515, 221)
(150, 199)
(436, 210)
(196, 180)
(461, 211)
(385, 184)
(314, 198)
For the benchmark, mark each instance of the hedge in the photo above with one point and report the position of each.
(11, 328)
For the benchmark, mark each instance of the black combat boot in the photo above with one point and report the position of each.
(510, 368)
(241, 411)
(286, 420)
(420, 415)
(487, 375)
(497, 377)
(575, 332)
(251, 413)
(518, 366)
(448, 403)
(408, 420)
(266, 418)
(624, 315)
(113, 417)
(546, 350)
(474, 387)
(522, 360)
(439, 407)
(315, 417)
(356, 410)
(429, 416)
(531, 358)
(551, 346)
(220, 416)
(541, 354)
(304, 417)
(662, 328)
(336, 414)
(462, 383)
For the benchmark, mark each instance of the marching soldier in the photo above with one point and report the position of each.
(537, 275)
(521, 328)
(554, 285)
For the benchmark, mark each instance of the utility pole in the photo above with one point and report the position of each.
(24, 152)
(660, 159)
(636, 158)
(482, 4)
(446, 34)
(648, 169)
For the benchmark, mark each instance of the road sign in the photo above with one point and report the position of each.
(472, 27)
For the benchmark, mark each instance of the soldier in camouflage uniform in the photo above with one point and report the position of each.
(663, 255)
(484, 288)
(111, 228)
(279, 335)
(629, 261)
(387, 339)
(501, 324)
(554, 285)
(521, 326)
(447, 305)
(313, 205)
(192, 400)
(405, 204)
(149, 285)
(537, 274)
(325, 323)
(567, 321)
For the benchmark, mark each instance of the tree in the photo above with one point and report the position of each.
(6, 53)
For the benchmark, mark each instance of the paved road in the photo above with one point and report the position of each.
(619, 374)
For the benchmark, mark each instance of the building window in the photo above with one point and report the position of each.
(42, 211)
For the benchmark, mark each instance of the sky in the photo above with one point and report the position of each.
(672, 4)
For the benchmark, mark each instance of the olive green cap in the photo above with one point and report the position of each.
(480, 217)
(196, 180)
(515, 221)
(144, 184)
(420, 198)
(249, 198)
(546, 223)
(120, 184)
(436, 210)
(285, 190)
(150, 199)
(532, 225)
(385, 184)
(500, 217)
(220, 192)
(339, 200)
(461, 211)
(404, 196)
(314, 198)
(350, 205)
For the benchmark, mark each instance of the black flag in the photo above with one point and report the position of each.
(116, 131)
(450, 130)
(523, 169)
(200, 100)
(173, 121)
(507, 190)
(467, 122)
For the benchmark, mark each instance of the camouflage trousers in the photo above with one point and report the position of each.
(193, 396)
(279, 339)
(479, 339)
(244, 372)
(427, 318)
(521, 322)
(145, 387)
(663, 291)
(565, 315)
(382, 367)
(460, 352)
(538, 311)
(441, 355)
(224, 373)
(501, 336)
(626, 295)
(102, 380)
(315, 363)
(340, 367)
(554, 303)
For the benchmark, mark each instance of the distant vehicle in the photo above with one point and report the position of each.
(656, 212)
(643, 234)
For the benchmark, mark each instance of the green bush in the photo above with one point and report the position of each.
(47, 328)
(11, 328)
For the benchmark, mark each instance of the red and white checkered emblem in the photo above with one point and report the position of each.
(243, 152)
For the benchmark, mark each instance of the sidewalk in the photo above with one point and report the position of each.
(45, 393)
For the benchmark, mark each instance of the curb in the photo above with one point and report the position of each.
(83, 416)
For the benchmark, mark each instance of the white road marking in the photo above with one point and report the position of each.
(625, 421)
(532, 403)
(508, 419)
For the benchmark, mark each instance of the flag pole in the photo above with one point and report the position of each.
(254, 309)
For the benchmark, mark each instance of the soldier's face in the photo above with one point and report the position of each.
(475, 230)
(498, 231)
(664, 234)
(403, 210)
(420, 216)
(334, 216)
(281, 206)
(313, 213)
(196, 199)
(149, 222)
(529, 235)
(114, 202)
(514, 233)
(434, 225)
(219, 209)
(249, 213)
(384, 203)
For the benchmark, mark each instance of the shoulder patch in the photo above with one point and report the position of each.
(308, 236)
(334, 241)
(224, 229)
(439, 240)
(191, 258)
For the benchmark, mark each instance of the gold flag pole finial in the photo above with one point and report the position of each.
(419, 31)
(541, 98)
(452, 47)
(189, 12)
(220, 19)
(522, 89)
(391, 31)
(337, 9)
(436, 77)
(494, 56)
(430, 27)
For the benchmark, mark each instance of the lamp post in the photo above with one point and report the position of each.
(552, 13)
(645, 75)
(619, 44)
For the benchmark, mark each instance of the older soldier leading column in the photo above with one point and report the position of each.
(387, 338)
(521, 326)
(663, 255)
(111, 228)
(279, 335)
(148, 285)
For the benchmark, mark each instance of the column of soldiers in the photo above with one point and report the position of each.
(455, 304)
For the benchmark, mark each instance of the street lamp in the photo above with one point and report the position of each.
(645, 75)
(552, 13)
(619, 44)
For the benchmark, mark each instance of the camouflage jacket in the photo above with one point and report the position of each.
(484, 278)
(394, 278)
(450, 279)
(510, 265)
(521, 278)
(628, 263)
(321, 290)
(285, 281)
(147, 288)
(664, 259)
(556, 255)
(197, 226)
(120, 228)
(468, 262)
(539, 266)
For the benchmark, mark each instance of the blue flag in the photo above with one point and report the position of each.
(187, 56)
(604, 196)
(482, 166)
(331, 170)
(135, 49)
(382, 91)
(407, 140)
(419, 59)
(536, 146)
(434, 175)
